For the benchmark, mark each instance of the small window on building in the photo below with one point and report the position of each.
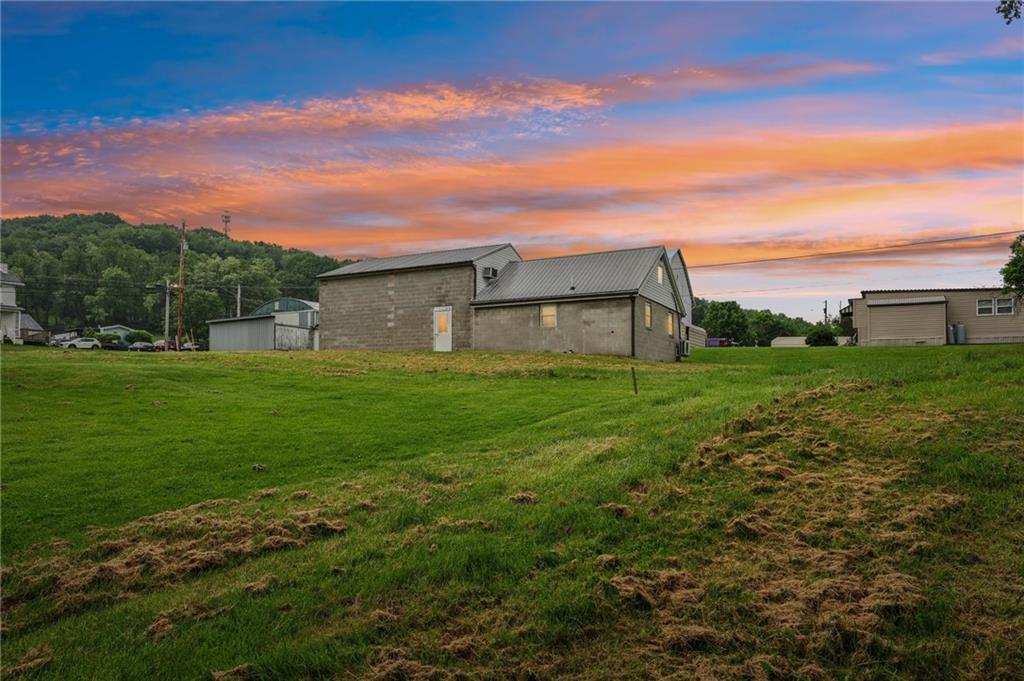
(647, 315)
(661, 274)
(442, 322)
(985, 307)
(1004, 305)
(549, 316)
(670, 325)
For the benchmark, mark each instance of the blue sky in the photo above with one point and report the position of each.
(730, 129)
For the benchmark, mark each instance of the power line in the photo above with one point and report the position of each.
(875, 249)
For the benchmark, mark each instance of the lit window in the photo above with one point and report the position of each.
(984, 307)
(1004, 305)
(661, 274)
(442, 322)
(647, 315)
(670, 326)
(549, 316)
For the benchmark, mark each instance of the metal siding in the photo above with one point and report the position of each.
(499, 259)
(414, 260)
(243, 334)
(960, 307)
(682, 283)
(574, 275)
(660, 293)
(923, 324)
(698, 337)
(789, 342)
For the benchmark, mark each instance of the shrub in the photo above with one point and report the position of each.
(106, 337)
(139, 337)
(821, 336)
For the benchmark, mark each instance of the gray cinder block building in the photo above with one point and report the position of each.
(624, 303)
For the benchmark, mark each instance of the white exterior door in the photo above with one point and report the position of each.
(443, 329)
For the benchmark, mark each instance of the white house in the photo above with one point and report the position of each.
(10, 313)
(120, 329)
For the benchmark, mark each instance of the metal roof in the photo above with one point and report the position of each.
(285, 304)
(572, 276)
(921, 300)
(28, 323)
(455, 256)
(933, 289)
(11, 279)
(239, 319)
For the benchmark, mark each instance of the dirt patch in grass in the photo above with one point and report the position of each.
(152, 551)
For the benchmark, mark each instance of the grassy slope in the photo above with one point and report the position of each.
(725, 558)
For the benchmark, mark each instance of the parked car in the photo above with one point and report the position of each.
(198, 346)
(84, 344)
(141, 346)
(164, 345)
(119, 344)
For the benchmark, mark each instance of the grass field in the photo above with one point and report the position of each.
(825, 513)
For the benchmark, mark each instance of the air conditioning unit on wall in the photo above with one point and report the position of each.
(682, 348)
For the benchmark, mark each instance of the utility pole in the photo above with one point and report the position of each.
(226, 219)
(238, 301)
(167, 308)
(826, 312)
(181, 287)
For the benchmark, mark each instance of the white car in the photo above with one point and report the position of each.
(84, 344)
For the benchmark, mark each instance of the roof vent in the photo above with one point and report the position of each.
(490, 272)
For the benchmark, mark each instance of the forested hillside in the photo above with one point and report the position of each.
(88, 270)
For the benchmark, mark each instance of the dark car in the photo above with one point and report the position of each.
(141, 346)
(119, 344)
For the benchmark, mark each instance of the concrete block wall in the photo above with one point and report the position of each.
(655, 343)
(395, 310)
(599, 327)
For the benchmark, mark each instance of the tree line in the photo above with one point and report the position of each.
(91, 270)
(726, 319)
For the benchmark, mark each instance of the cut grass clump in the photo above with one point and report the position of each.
(151, 552)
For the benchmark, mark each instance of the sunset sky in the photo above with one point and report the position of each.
(735, 131)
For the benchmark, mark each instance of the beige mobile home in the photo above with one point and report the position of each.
(936, 317)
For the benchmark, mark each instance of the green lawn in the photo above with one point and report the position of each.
(751, 513)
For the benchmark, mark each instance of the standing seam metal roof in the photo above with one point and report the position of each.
(573, 276)
(455, 256)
